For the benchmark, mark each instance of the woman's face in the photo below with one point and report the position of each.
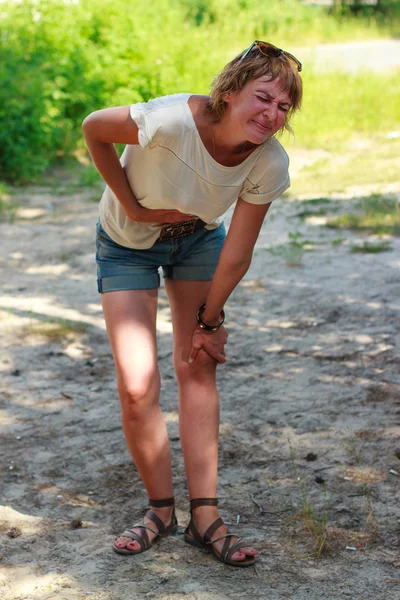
(259, 110)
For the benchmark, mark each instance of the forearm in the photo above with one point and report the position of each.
(226, 277)
(235, 257)
(105, 158)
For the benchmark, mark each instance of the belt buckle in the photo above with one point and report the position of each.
(177, 230)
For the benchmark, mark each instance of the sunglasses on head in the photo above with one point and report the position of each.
(272, 51)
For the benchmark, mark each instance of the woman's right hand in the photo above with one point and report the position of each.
(157, 215)
(140, 214)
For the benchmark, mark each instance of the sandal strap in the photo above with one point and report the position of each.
(157, 521)
(142, 539)
(144, 527)
(192, 529)
(228, 550)
(236, 547)
(226, 547)
(203, 502)
(222, 537)
(207, 537)
(137, 527)
(162, 503)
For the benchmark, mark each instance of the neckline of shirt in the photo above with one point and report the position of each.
(253, 155)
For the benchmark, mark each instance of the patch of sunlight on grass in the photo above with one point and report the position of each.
(55, 330)
(377, 214)
(377, 164)
(338, 105)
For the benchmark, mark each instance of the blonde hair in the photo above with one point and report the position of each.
(237, 73)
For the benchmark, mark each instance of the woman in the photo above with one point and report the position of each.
(188, 159)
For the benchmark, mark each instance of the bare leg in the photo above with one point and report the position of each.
(131, 325)
(198, 404)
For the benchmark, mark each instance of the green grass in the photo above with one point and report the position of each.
(71, 178)
(296, 240)
(76, 57)
(94, 198)
(338, 241)
(321, 212)
(317, 201)
(371, 247)
(89, 177)
(337, 106)
(377, 164)
(55, 330)
(7, 208)
(293, 252)
(377, 214)
(314, 525)
(349, 118)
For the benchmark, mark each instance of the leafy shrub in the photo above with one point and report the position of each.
(61, 60)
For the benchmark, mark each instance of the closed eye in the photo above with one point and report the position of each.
(283, 107)
(264, 99)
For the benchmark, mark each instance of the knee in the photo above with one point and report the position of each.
(138, 394)
(203, 368)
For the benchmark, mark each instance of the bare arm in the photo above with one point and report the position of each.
(104, 128)
(233, 263)
(235, 257)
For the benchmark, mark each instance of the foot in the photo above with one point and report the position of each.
(203, 516)
(165, 514)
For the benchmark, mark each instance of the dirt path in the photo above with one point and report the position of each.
(309, 433)
(376, 55)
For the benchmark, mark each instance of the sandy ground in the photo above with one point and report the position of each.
(310, 420)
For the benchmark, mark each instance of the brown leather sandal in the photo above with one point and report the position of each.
(142, 537)
(194, 538)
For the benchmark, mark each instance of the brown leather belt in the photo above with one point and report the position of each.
(177, 230)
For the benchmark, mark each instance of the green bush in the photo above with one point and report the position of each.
(61, 60)
(47, 88)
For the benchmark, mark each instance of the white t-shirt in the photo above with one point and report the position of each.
(172, 169)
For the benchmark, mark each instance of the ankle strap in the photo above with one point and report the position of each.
(162, 503)
(203, 502)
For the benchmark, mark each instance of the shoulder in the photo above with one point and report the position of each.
(274, 154)
(160, 118)
(158, 108)
(161, 103)
(272, 162)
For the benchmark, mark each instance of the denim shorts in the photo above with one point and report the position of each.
(191, 258)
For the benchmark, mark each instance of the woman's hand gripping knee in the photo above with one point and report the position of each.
(213, 342)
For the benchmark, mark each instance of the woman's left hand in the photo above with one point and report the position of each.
(213, 342)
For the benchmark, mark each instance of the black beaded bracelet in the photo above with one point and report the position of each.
(203, 325)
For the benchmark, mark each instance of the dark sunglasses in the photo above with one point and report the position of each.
(270, 50)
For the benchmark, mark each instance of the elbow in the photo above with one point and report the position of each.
(85, 123)
(88, 123)
(85, 127)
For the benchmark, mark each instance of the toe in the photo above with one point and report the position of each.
(249, 551)
(238, 556)
(133, 546)
(121, 542)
